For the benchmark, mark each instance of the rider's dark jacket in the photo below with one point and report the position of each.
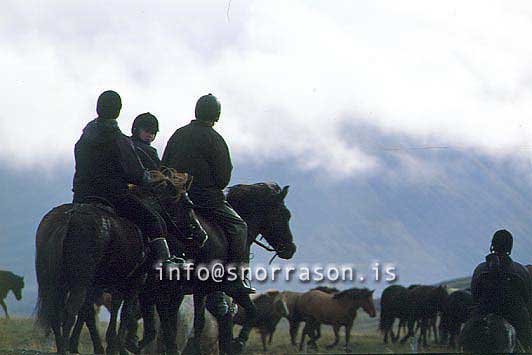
(199, 150)
(503, 289)
(148, 155)
(106, 161)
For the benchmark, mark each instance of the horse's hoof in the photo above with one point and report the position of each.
(132, 346)
(238, 346)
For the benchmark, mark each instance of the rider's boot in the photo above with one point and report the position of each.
(241, 283)
(160, 254)
(195, 231)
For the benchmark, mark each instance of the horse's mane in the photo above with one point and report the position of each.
(353, 293)
(264, 295)
(326, 289)
(252, 197)
(8, 275)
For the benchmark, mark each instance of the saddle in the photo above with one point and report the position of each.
(91, 203)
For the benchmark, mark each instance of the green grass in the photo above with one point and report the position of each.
(18, 337)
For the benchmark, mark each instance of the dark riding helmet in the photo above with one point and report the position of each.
(145, 121)
(109, 104)
(208, 108)
(502, 242)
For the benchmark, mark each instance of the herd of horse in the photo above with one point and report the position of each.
(85, 250)
(439, 311)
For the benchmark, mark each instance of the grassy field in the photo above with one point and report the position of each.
(18, 337)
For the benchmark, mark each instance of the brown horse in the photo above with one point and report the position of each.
(10, 282)
(294, 318)
(336, 309)
(82, 248)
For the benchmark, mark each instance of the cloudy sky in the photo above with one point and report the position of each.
(295, 78)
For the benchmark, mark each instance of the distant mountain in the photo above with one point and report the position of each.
(430, 212)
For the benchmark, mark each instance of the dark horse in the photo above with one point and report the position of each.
(262, 207)
(394, 305)
(488, 335)
(85, 248)
(424, 303)
(456, 312)
(10, 282)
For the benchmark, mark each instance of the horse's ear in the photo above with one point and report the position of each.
(284, 192)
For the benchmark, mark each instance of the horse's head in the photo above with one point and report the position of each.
(263, 208)
(17, 287)
(357, 297)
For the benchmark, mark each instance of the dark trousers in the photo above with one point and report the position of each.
(146, 218)
(235, 229)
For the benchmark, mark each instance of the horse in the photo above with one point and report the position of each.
(10, 282)
(271, 307)
(262, 207)
(487, 335)
(393, 305)
(456, 312)
(336, 309)
(424, 303)
(293, 317)
(85, 247)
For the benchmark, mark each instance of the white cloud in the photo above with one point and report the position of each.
(292, 76)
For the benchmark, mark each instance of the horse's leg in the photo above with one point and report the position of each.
(396, 336)
(92, 325)
(244, 301)
(424, 327)
(263, 337)
(294, 327)
(199, 321)
(410, 330)
(315, 335)
(74, 304)
(126, 314)
(336, 330)
(347, 336)
(76, 332)
(271, 335)
(167, 308)
(110, 335)
(3, 304)
(303, 333)
(147, 311)
(434, 329)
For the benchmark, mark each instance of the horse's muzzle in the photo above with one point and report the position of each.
(287, 252)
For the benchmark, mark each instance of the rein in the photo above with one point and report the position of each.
(268, 248)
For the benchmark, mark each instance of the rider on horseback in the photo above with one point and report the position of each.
(503, 287)
(106, 162)
(200, 151)
(143, 132)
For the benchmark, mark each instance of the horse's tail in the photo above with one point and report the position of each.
(48, 266)
(383, 315)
